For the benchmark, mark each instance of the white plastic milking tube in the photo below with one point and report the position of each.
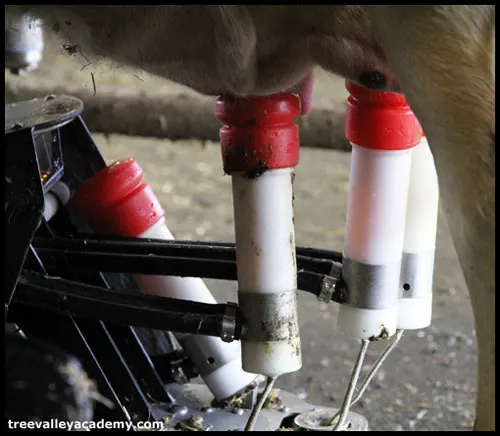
(219, 362)
(373, 244)
(116, 201)
(50, 207)
(417, 266)
(59, 193)
(267, 272)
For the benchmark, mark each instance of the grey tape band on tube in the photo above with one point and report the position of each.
(371, 286)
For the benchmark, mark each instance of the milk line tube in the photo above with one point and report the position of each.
(260, 148)
(383, 131)
(60, 193)
(417, 266)
(117, 202)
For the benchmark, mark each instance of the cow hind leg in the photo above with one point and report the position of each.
(443, 57)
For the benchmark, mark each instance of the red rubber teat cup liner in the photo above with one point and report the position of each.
(260, 148)
(117, 202)
(258, 132)
(380, 120)
(383, 132)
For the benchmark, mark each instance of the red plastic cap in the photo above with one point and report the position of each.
(117, 202)
(380, 120)
(259, 133)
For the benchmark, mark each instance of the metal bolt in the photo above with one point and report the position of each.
(327, 289)
(177, 409)
(237, 411)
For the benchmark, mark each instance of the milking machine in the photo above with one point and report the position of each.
(95, 281)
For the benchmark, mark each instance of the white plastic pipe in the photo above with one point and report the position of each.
(219, 362)
(383, 132)
(415, 290)
(117, 202)
(50, 207)
(373, 242)
(59, 193)
(267, 272)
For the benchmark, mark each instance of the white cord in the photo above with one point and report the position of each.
(378, 363)
(344, 409)
(258, 406)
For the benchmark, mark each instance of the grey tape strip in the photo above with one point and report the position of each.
(269, 317)
(370, 286)
(417, 271)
